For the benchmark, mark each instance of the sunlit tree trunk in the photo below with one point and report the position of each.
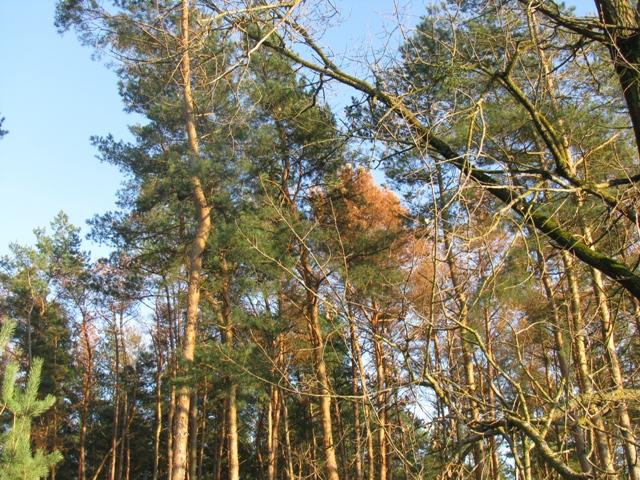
(203, 229)
(378, 349)
(359, 387)
(87, 386)
(116, 401)
(613, 364)
(564, 364)
(463, 319)
(584, 374)
(317, 344)
(158, 416)
(232, 405)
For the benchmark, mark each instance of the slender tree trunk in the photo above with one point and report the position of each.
(87, 383)
(313, 465)
(287, 439)
(221, 440)
(357, 440)
(463, 319)
(494, 464)
(341, 444)
(232, 406)
(125, 404)
(116, 403)
(360, 389)
(322, 376)
(564, 364)
(181, 431)
(582, 361)
(378, 349)
(172, 359)
(232, 421)
(613, 363)
(170, 426)
(193, 436)
(273, 427)
(203, 428)
(158, 407)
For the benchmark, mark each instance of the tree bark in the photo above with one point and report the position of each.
(87, 384)
(232, 414)
(273, 428)
(613, 363)
(181, 429)
(232, 405)
(322, 376)
(381, 378)
(564, 364)
(116, 402)
(460, 297)
(193, 436)
(622, 21)
(584, 374)
(157, 434)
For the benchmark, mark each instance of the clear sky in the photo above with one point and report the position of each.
(54, 97)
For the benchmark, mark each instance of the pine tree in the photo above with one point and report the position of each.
(17, 461)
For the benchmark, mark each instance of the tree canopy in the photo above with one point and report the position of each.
(440, 281)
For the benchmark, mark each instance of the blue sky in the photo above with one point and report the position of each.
(54, 97)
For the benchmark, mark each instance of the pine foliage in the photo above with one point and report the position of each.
(17, 461)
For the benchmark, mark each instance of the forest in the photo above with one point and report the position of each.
(439, 281)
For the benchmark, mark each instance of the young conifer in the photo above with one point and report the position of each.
(17, 461)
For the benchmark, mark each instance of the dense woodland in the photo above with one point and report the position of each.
(271, 311)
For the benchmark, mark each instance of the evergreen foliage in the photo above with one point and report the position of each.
(22, 406)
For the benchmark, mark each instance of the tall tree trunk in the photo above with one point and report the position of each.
(613, 364)
(584, 374)
(232, 421)
(359, 383)
(172, 360)
(378, 350)
(193, 436)
(87, 385)
(341, 444)
(181, 430)
(116, 402)
(221, 440)
(564, 364)
(317, 344)
(232, 403)
(357, 434)
(158, 407)
(125, 405)
(171, 413)
(494, 464)
(313, 465)
(203, 428)
(460, 297)
(273, 433)
(287, 439)
(623, 20)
